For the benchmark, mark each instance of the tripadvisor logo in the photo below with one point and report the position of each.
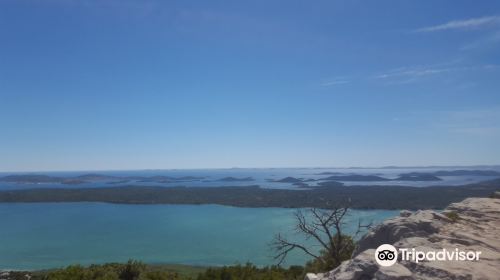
(387, 255)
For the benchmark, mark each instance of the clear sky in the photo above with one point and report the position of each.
(134, 84)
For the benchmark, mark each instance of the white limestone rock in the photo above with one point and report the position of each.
(477, 229)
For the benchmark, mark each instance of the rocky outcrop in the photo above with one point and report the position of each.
(14, 275)
(470, 225)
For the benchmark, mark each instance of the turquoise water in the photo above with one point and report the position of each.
(49, 235)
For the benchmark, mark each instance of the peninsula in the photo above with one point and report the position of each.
(361, 197)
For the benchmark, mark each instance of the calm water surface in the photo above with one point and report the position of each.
(48, 235)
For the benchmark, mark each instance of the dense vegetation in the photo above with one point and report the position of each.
(251, 272)
(366, 197)
(134, 270)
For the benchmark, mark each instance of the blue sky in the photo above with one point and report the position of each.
(109, 84)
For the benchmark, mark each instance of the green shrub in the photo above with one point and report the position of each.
(452, 215)
(132, 270)
(251, 272)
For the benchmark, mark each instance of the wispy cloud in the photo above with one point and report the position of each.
(472, 23)
(335, 81)
(413, 72)
(406, 75)
(454, 71)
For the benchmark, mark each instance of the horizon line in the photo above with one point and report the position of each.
(229, 168)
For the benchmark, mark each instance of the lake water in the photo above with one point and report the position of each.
(49, 235)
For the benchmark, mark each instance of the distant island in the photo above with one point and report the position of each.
(375, 178)
(361, 197)
(457, 173)
(287, 180)
(361, 178)
(44, 179)
(233, 179)
(40, 179)
(301, 182)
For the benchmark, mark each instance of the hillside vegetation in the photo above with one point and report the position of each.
(361, 197)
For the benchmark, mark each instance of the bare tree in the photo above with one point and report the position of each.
(325, 227)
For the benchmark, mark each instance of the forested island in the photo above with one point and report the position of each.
(361, 197)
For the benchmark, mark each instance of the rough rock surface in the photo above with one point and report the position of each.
(473, 224)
